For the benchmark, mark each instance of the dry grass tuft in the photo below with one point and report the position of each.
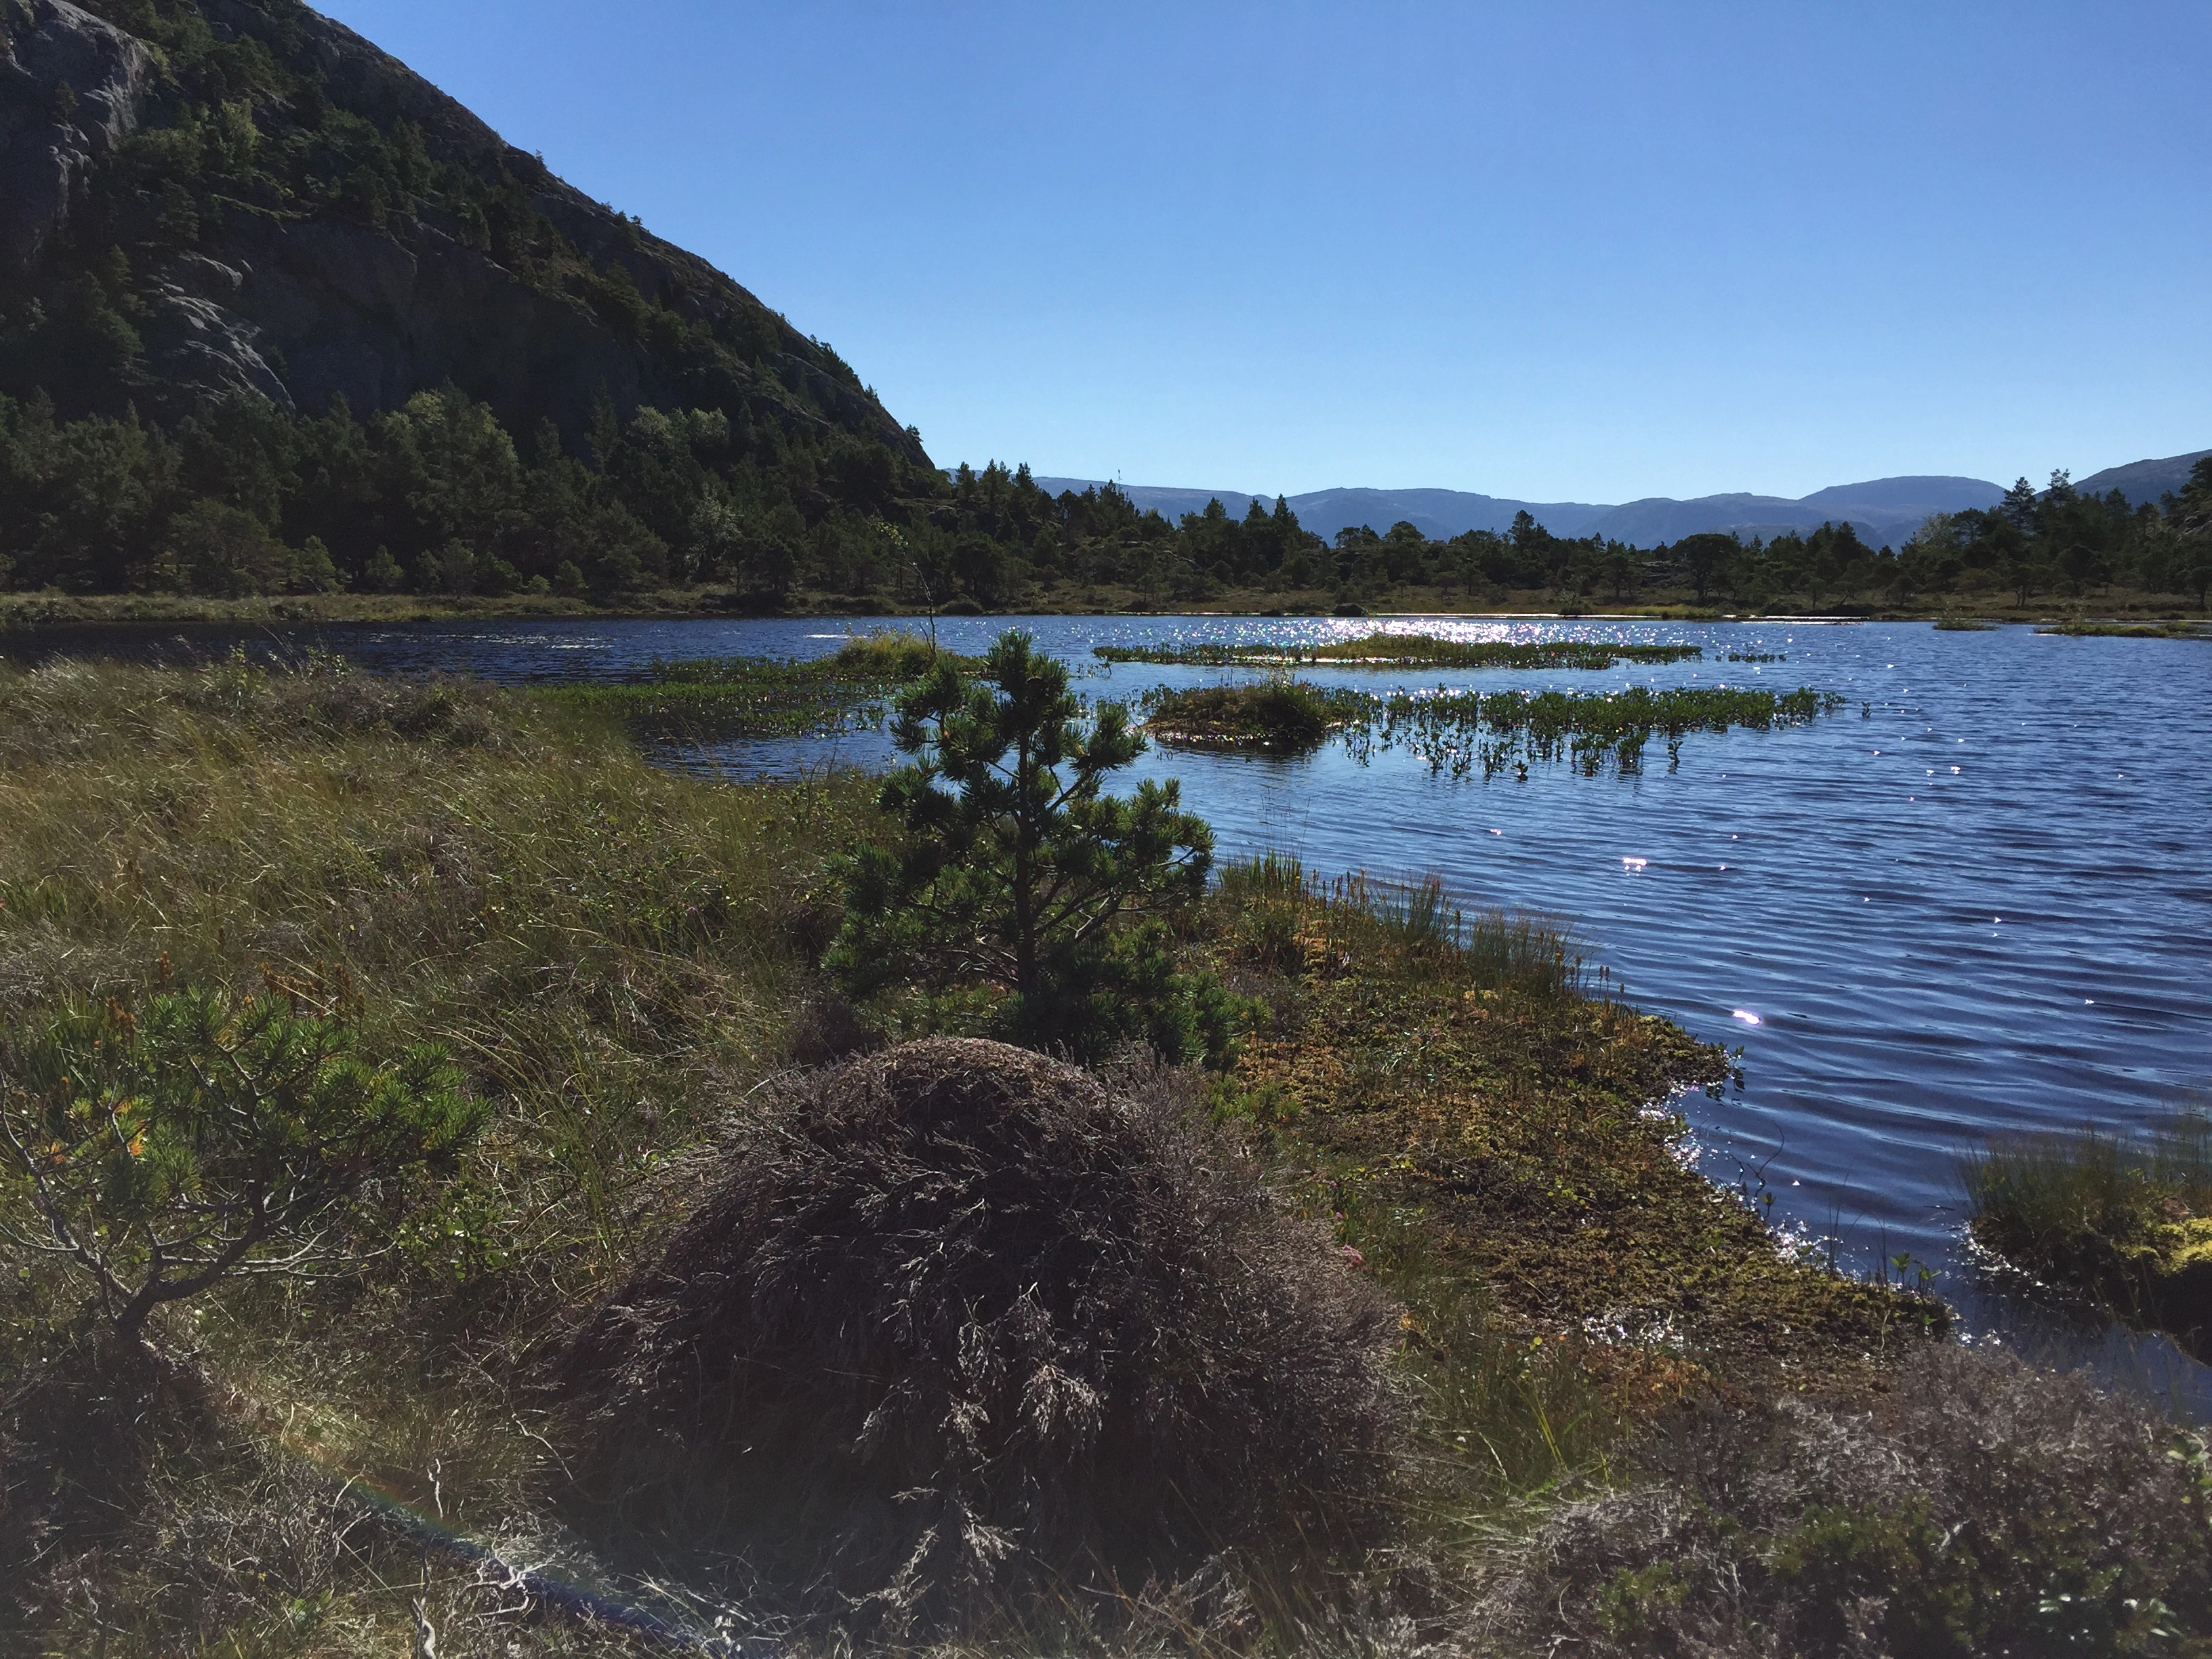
(961, 1328)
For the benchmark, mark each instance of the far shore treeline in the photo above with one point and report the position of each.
(437, 497)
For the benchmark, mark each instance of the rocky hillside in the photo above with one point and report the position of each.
(207, 197)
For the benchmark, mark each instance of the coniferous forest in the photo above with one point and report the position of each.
(439, 497)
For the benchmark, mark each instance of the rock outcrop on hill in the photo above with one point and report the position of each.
(245, 196)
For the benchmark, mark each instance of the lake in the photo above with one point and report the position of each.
(1976, 901)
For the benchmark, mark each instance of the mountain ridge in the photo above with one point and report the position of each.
(1881, 510)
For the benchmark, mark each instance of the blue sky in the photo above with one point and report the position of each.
(1558, 252)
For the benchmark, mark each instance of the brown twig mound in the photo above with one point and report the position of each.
(960, 1327)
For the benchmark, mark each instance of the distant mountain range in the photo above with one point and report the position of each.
(1881, 510)
(2143, 481)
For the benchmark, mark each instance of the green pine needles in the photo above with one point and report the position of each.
(1019, 887)
(163, 1151)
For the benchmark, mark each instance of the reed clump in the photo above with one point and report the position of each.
(2125, 1220)
(1461, 733)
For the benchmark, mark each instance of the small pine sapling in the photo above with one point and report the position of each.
(164, 1150)
(1018, 879)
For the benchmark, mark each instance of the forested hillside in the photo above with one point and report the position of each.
(269, 302)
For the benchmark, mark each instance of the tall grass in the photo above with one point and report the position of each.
(2100, 1213)
(1269, 896)
(609, 950)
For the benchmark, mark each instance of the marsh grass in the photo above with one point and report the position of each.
(1461, 733)
(1387, 650)
(705, 699)
(2113, 630)
(605, 948)
(2125, 1219)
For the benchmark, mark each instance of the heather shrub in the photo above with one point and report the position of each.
(1982, 1507)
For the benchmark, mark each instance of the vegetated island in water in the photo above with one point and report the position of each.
(2167, 629)
(1461, 732)
(1386, 650)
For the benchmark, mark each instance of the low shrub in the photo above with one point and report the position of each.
(960, 1327)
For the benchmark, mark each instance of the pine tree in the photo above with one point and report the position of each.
(1019, 887)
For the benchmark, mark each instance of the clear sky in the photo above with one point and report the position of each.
(1552, 251)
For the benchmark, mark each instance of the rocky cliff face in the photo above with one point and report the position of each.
(70, 88)
(299, 216)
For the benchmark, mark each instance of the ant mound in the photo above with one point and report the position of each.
(960, 1327)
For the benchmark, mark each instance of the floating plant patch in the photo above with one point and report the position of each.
(1381, 650)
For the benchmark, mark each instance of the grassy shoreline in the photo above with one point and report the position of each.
(614, 955)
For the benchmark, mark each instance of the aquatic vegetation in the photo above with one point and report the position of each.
(1956, 624)
(1459, 731)
(1386, 650)
(2157, 630)
(1757, 656)
(708, 698)
(1478, 1110)
(2126, 1221)
(1274, 714)
(1462, 731)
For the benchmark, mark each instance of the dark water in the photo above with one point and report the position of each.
(1981, 905)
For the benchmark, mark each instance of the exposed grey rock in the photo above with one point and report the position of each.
(53, 139)
(195, 273)
(200, 349)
